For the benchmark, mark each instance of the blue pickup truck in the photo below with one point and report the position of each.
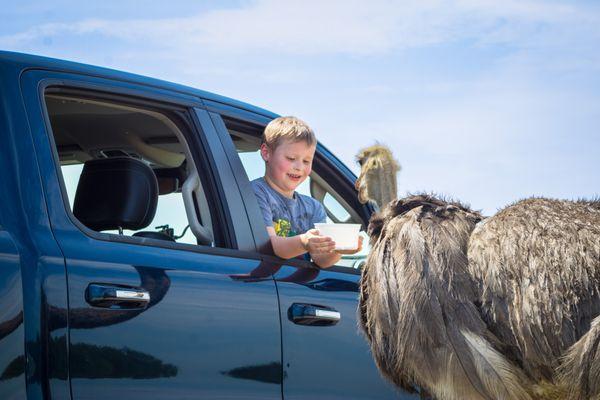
(134, 262)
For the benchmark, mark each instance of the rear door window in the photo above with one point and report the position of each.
(321, 184)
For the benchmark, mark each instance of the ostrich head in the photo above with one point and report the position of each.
(430, 204)
(378, 171)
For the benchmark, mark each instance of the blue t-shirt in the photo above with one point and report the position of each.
(289, 217)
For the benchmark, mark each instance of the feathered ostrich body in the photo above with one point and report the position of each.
(500, 308)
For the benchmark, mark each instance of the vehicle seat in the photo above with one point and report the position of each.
(116, 194)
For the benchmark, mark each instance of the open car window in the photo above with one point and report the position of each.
(247, 140)
(127, 169)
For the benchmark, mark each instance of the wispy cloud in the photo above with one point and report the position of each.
(335, 27)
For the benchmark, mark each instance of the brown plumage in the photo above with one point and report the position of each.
(506, 307)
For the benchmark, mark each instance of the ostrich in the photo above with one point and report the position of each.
(466, 307)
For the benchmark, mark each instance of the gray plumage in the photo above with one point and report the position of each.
(500, 308)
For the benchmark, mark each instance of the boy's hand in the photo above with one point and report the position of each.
(358, 249)
(316, 244)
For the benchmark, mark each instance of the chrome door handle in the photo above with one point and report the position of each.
(310, 314)
(119, 297)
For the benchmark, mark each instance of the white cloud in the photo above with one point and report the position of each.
(333, 27)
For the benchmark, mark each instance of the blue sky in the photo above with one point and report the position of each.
(484, 101)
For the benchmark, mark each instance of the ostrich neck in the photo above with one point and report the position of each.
(386, 189)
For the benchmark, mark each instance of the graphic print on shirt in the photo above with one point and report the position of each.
(283, 227)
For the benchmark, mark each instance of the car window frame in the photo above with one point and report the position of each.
(328, 165)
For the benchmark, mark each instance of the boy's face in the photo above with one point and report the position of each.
(288, 165)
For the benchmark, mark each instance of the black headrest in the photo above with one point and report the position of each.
(116, 192)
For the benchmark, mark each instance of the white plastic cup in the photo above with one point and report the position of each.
(345, 236)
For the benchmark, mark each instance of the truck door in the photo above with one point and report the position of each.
(325, 355)
(157, 244)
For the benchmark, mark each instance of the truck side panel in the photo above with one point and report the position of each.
(33, 293)
(12, 354)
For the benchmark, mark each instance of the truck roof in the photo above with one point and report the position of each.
(28, 61)
(24, 61)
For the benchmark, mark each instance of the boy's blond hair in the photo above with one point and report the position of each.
(288, 128)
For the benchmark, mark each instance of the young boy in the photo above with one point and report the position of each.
(288, 147)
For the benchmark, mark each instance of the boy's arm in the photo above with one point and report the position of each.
(293, 246)
(326, 260)
(286, 247)
(320, 248)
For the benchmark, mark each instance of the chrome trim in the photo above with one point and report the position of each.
(327, 314)
(130, 294)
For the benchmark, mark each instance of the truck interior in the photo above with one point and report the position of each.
(110, 144)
